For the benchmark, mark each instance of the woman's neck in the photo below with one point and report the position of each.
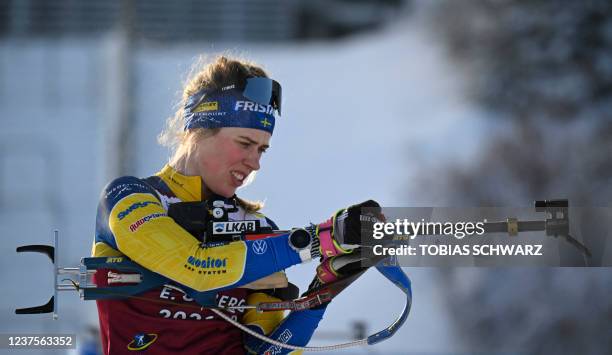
(180, 165)
(183, 166)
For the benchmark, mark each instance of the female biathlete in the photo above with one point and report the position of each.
(218, 136)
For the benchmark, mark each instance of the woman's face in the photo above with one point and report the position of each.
(225, 160)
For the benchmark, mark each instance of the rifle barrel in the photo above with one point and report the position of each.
(523, 226)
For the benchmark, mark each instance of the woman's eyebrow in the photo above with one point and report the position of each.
(253, 142)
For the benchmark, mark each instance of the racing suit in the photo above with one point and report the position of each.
(132, 221)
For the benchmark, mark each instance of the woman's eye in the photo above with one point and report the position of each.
(244, 144)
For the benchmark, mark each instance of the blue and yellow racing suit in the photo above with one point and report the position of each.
(132, 221)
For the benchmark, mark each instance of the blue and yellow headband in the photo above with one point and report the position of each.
(251, 105)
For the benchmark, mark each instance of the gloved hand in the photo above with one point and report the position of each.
(344, 230)
(338, 267)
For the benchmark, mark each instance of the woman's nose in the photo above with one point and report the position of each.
(252, 160)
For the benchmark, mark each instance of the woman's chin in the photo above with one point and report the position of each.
(226, 191)
(227, 194)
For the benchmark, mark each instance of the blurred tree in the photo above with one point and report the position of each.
(544, 71)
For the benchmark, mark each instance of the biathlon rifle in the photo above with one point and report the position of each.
(132, 279)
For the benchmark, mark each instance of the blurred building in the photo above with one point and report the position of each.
(162, 21)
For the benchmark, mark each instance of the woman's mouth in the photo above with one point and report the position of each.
(237, 177)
